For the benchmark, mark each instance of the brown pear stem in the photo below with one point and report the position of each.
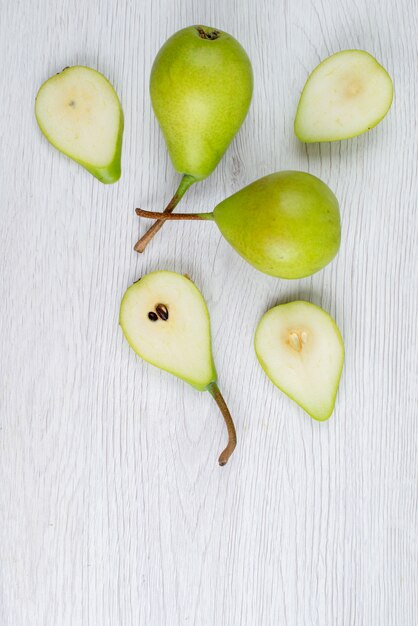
(232, 435)
(164, 217)
(185, 183)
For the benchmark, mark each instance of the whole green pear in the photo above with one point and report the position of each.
(286, 224)
(201, 87)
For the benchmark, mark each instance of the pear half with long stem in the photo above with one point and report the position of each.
(301, 350)
(201, 87)
(166, 321)
(79, 113)
(346, 95)
(286, 224)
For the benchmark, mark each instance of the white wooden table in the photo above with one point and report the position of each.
(113, 510)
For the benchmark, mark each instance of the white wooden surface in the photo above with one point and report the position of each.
(113, 511)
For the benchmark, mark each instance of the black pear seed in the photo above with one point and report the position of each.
(152, 316)
(162, 312)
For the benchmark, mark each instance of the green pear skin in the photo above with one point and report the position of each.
(286, 224)
(201, 87)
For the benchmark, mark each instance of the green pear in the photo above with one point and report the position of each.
(201, 88)
(286, 224)
(346, 95)
(301, 350)
(166, 321)
(79, 112)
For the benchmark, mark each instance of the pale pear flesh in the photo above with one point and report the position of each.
(80, 114)
(300, 348)
(346, 95)
(179, 344)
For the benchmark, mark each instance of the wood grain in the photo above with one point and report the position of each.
(113, 510)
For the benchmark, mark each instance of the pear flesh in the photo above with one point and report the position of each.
(80, 114)
(286, 224)
(346, 95)
(179, 344)
(165, 320)
(300, 348)
(201, 88)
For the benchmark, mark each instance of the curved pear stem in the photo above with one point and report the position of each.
(185, 183)
(232, 435)
(169, 217)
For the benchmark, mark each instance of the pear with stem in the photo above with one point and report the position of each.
(166, 321)
(201, 87)
(286, 224)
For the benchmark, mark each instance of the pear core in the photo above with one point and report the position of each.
(297, 339)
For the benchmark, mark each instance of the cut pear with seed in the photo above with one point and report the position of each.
(179, 344)
(301, 350)
(346, 95)
(79, 113)
(166, 321)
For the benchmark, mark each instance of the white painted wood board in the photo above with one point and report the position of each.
(113, 511)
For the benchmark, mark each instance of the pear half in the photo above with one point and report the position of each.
(301, 350)
(166, 321)
(79, 113)
(346, 95)
(180, 344)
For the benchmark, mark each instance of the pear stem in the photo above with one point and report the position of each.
(232, 435)
(164, 217)
(185, 183)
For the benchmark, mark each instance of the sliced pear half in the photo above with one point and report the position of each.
(301, 350)
(79, 112)
(346, 95)
(166, 321)
(179, 344)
